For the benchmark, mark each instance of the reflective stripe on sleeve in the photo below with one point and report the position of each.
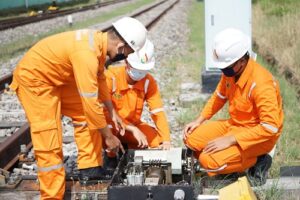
(114, 87)
(91, 40)
(156, 110)
(50, 168)
(88, 94)
(251, 88)
(220, 95)
(214, 170)
(146, 86)
(273, 129)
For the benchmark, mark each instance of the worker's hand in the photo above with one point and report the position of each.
(166, 145)
(139, 136)
(188, 129)
(219, 144)
(111, 141)
(118, 122)
(113, 144)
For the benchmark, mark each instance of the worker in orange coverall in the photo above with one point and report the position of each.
(62, 74)
(255, 107)
(130, 86)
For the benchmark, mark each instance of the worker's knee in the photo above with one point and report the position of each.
(207, 161)
(191, 143)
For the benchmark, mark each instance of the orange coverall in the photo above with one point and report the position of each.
(128, 101)
(59, 75)
(256, 120)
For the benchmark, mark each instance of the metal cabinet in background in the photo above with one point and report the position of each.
(221, 14)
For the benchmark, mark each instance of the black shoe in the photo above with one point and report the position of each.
(93, 173)
(258, 173)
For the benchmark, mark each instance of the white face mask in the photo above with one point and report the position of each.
(135, 74)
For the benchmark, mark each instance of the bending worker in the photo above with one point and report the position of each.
(255, 109)
(62, 74)
(130, 86)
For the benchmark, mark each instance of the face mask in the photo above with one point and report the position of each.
(135, 74)
(228, 71)
(119, 56)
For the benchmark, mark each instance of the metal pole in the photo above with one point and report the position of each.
(26, 4)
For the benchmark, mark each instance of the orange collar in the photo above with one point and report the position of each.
(246, 73)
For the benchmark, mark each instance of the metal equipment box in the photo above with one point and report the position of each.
(153, 174)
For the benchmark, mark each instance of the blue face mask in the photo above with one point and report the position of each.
(136, 74)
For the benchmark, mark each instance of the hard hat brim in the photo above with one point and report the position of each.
(140, 66)
(222, 65)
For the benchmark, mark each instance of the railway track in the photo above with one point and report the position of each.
(10, 148)
(19, 21)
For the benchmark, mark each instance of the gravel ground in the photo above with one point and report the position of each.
(170, 36)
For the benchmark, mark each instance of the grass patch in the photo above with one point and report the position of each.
(278, 34)
(17, 47)
(273, 192)
(278, 7)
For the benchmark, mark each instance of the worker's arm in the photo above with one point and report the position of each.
(138, 135)
(106, 79)
(265, 100)
(214, 104)
(85, 67)
(216, 101)
(157, 112)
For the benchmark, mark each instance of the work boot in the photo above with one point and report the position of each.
(258, 173)
(93, 173)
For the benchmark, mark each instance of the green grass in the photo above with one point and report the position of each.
(279, 7)
(271, 193)
(17, 47)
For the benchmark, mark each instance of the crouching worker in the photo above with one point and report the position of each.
(62, 74)
(130, 86)
(255, 108)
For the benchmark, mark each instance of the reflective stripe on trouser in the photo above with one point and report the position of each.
(42, 107)
(153, 138)
(89, 142)
(52, 178)
(234, 157)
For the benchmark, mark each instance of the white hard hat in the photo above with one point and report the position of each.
(143, 59)
(132, 31)
(229, 46)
